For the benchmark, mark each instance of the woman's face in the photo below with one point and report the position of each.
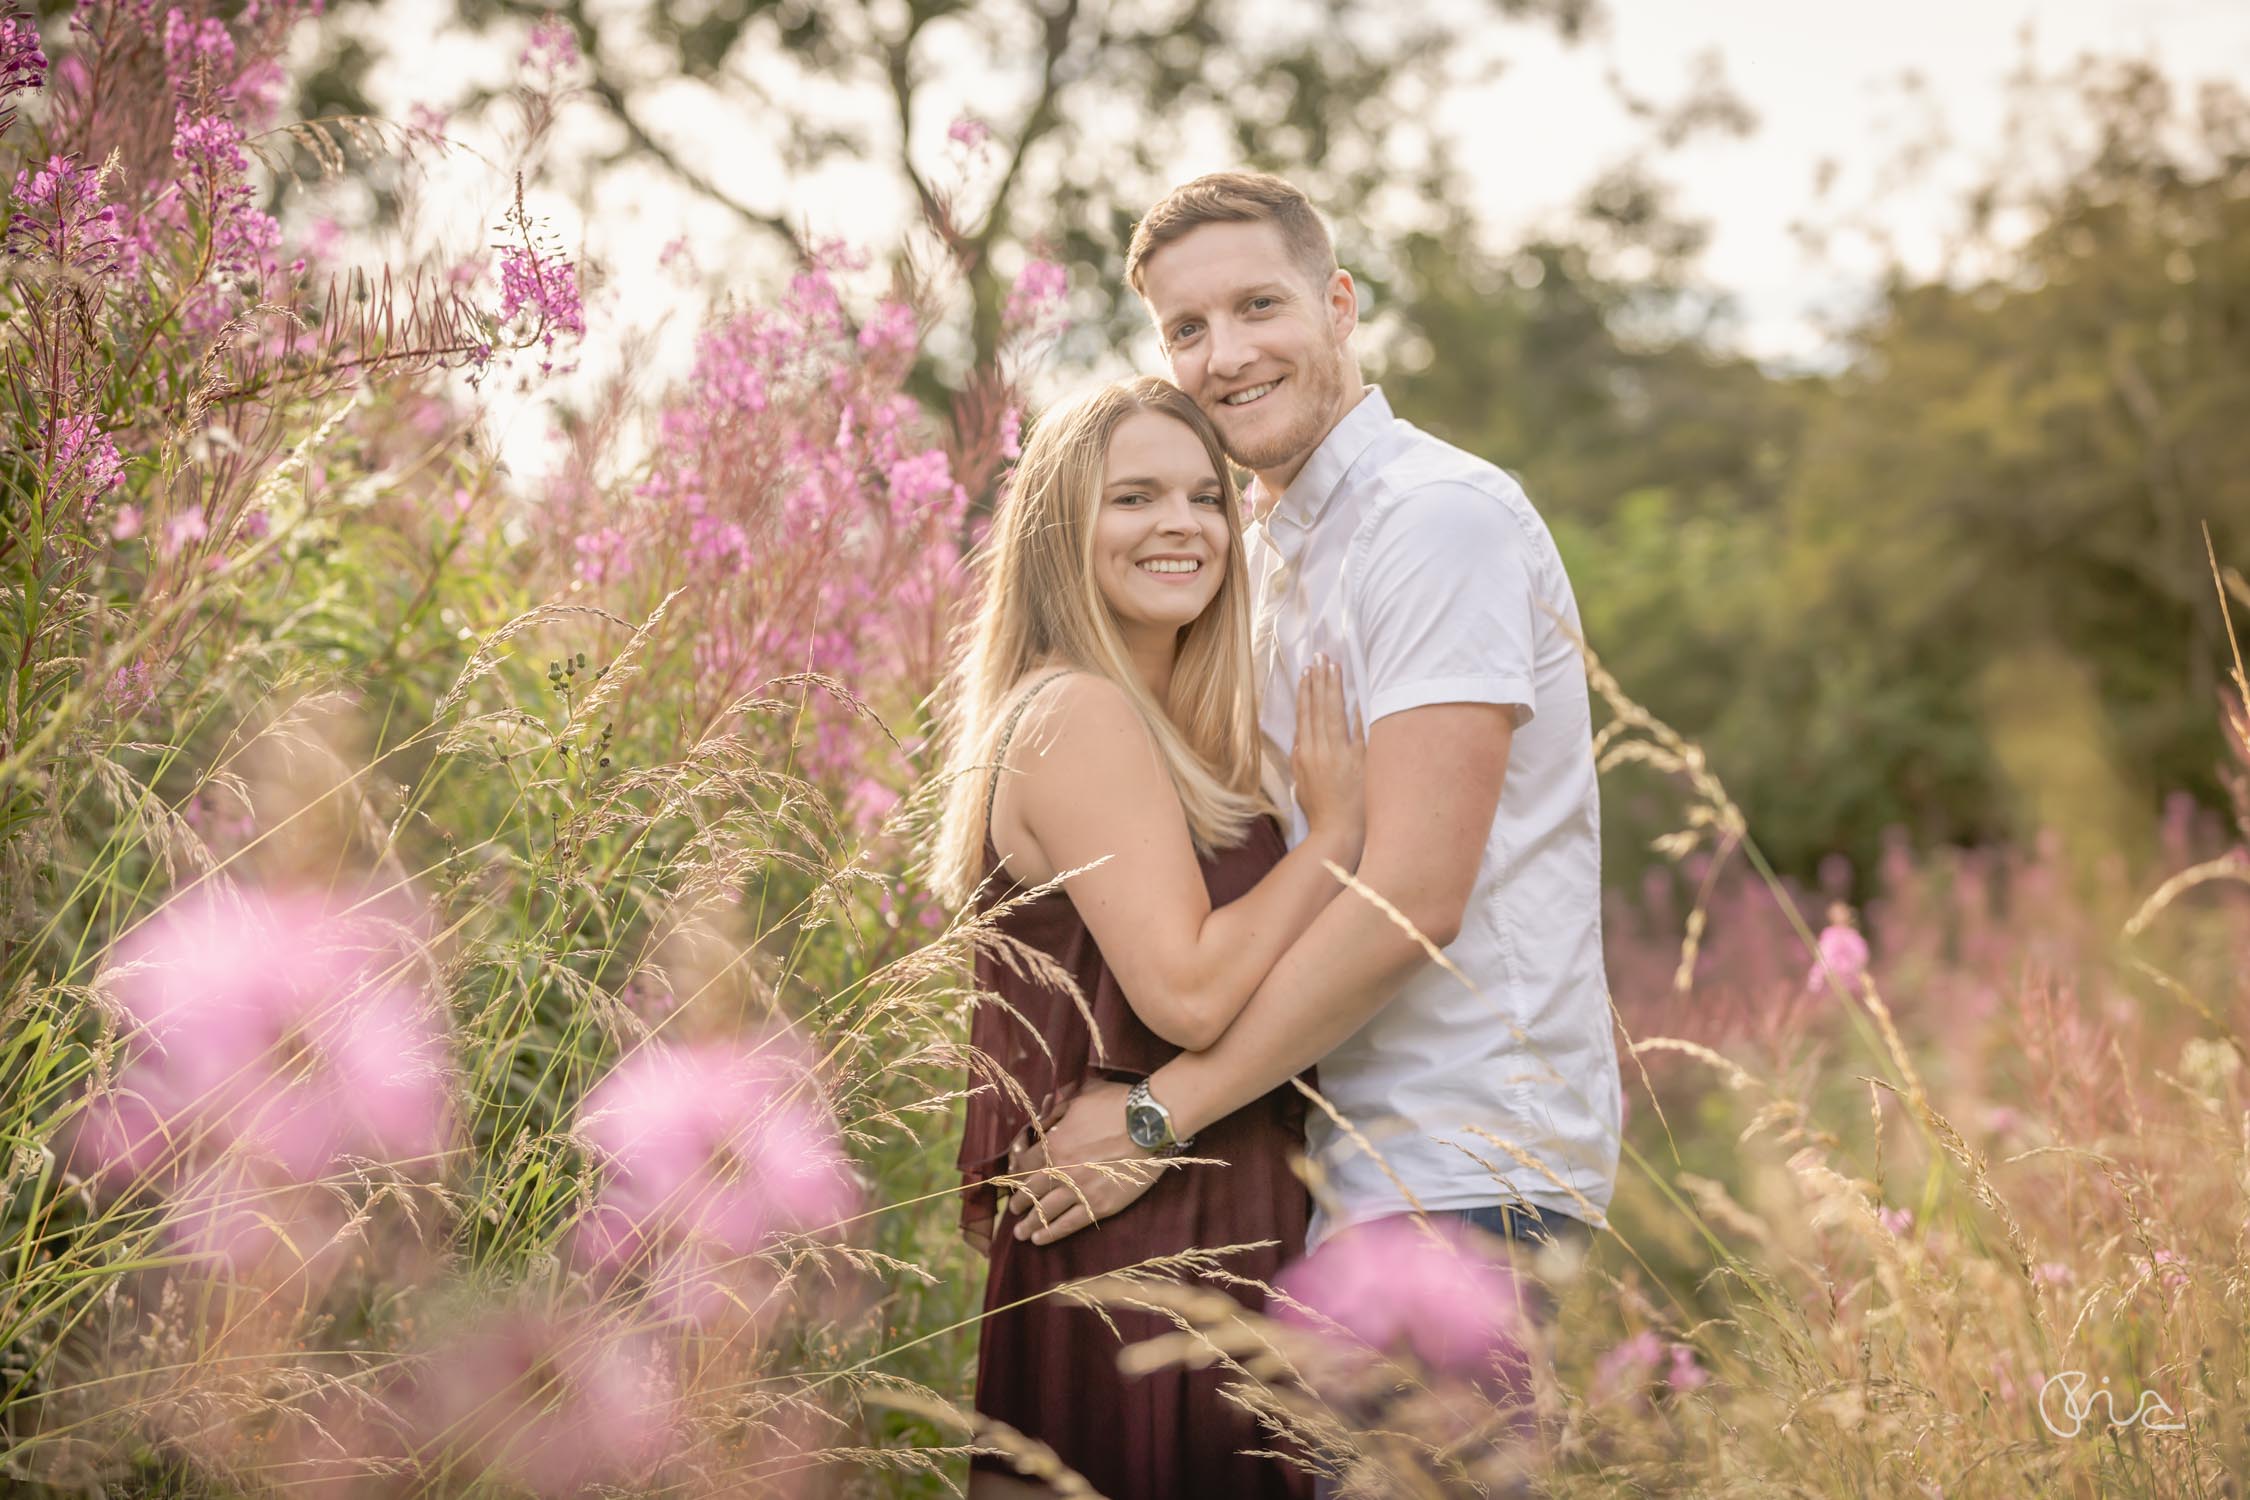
(1160, 538)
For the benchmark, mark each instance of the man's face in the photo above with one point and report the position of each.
(1255, 343)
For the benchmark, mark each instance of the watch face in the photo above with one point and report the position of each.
(1145, 1126)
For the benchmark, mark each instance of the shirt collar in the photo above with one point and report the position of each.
(1316, 483)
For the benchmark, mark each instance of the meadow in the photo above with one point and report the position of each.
(472, 1023)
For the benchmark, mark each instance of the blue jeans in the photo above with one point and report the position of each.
(1520, 1224)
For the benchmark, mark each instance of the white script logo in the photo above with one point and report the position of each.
(2065, 1404)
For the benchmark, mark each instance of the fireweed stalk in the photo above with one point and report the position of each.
(567, 1038)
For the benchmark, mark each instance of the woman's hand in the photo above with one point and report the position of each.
(1083, 1169)
(1329, 762)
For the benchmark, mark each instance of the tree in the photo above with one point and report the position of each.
(1959, 585)
(1088, 100)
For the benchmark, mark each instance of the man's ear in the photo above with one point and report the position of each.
(1343, 304)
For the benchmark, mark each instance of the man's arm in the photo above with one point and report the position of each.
(1433, 786)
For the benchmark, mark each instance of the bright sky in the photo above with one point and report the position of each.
(1825, 81)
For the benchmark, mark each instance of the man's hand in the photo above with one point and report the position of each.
(1085, 1170)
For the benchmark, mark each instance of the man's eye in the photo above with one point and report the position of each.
(1186, 330)
(1260, 304)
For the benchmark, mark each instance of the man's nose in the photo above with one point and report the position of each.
(1231, 353)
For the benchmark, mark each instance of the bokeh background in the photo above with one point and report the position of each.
(488, 491)
(1876, 368)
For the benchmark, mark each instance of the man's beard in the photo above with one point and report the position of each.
(1323, 386)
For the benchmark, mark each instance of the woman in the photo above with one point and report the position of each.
(1105, 733)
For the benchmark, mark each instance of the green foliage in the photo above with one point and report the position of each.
(1956, 586)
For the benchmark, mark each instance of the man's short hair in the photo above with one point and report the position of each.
(1234, 198)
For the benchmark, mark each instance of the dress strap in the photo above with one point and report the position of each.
(1007, 735)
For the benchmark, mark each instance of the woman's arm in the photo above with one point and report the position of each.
(1090, 789)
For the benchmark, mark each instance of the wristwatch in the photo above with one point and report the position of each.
(1149, 1123)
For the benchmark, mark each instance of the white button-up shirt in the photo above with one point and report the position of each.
(1427, 574)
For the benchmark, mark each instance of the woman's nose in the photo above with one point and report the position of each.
(1177, 518)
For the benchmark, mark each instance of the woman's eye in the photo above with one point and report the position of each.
(1132, 499)
(1210, 500)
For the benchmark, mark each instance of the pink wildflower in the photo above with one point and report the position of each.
(552, 49)
(968, 132)
(191, 46)
(251, 1220)
(1843, 958)
(868, 803)
(603, 555)
(125, 524)
(920, 479)
(1896, 1220)
(1401, 1287)
(2052, 1273)
(86, 461)
(554, 1404)
(244, 238)
(60, 216)
(131, 688)
(273, 1026)
(892, 331)
(2168, 1267)
(1627, 1369)
(548, 287)
(1037, 295)
(719, 1143)
(184, 529)
(1686, 1374)
(23, 65)
(1011, 433)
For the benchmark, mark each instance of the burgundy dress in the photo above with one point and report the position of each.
(1048, 1368)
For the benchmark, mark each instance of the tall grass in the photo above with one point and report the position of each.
(469, 1025)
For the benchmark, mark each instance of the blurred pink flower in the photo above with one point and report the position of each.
(1686, 1374)
(1627, 1369)
(183, 529)
(2169, 1268)
(892, 331)
(719, 1144)
(603, 555)
(1896, 1220)
(125, 524)
(268, 1023)
(131, 688)
(968, 132)
(556, 1404)
(191, 46)
(1843, 958)
(255, 1222)
(1037, 295)
(868, 803)
(1402, 1287)
(2052, 1273)
(1011, 433)
(552, 49)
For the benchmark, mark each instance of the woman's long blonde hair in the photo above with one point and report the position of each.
(1041, 604)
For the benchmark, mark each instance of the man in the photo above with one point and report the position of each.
(1486, 1086)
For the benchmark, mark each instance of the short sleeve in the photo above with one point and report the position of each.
(1446, 606)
